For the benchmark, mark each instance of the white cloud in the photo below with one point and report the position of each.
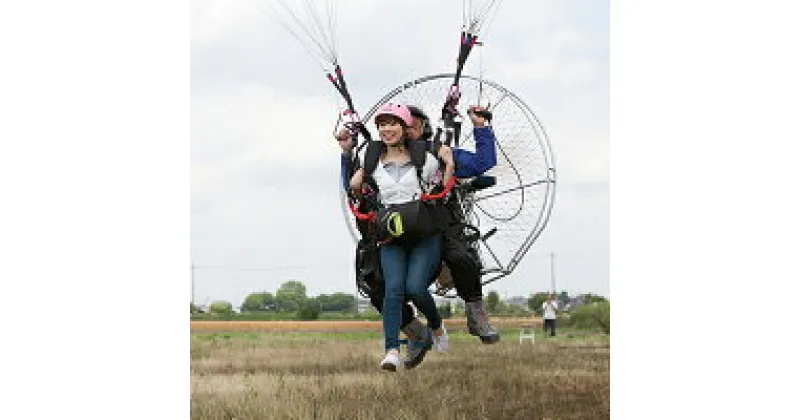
(581, 155)
(553, 61)
(578, 73)
(252, 125)
(265, 167)
(216, 20)
(569, 39)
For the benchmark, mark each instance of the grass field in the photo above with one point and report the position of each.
(336, 326)
(335, 375)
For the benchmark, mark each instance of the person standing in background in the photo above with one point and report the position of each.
(549, 308)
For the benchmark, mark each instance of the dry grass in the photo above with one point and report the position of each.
(285, 376)
(336, 326)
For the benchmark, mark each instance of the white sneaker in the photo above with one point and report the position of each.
(441, 341)
(390, 361)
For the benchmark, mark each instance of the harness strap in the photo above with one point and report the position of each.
(362, 216)
(445, 191)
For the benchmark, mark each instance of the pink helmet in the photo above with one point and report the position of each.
(397, 110)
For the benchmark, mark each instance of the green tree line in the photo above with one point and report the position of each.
(290, 298)
(291, 301)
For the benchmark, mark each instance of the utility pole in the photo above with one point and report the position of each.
(553, 272)
(192, 284)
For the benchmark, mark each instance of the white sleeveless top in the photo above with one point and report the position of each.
(398, 184)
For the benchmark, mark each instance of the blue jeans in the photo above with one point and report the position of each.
(406, 272)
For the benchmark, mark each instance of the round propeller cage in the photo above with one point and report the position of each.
(515, 210)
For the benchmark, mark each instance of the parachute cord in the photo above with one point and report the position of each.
(324, 52)
(332, 27)
(311, 33)
(482, 16)
(307, 45)
(480, 74)
(273, 15)
(466, 6)
(490, 19)
(318, 28)
(475, 21)
(316, 33)
(471, 24)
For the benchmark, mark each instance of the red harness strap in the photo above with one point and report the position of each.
(447, 188)
(424, 197)
(361, 216)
